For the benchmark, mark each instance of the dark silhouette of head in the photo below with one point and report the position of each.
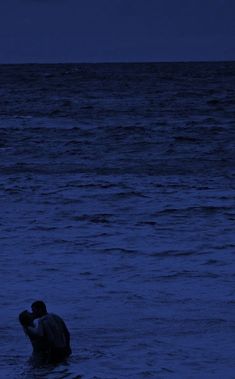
(39, 309)
(26, 318)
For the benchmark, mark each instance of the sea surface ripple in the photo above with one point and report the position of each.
(117, 208)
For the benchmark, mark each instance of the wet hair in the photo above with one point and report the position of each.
(39, 305)
(25, 318)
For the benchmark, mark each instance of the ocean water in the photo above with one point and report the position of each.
(117, 209)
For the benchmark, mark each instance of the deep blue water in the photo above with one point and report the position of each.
(117, 208)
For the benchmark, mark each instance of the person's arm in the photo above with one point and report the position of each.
(37, 330)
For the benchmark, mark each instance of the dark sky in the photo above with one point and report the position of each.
(116, 30)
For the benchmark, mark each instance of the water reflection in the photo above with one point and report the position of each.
(49, 371)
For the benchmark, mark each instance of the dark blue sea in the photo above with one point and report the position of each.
(117, 194)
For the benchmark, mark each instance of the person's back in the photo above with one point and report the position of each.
(54, 331)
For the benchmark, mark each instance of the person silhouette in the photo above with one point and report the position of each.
(40, 350)
(52, 331)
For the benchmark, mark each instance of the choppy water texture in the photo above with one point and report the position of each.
(117, 208)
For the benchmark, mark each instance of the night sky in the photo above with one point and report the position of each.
(116, 30)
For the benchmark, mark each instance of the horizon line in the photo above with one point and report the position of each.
(116, 62)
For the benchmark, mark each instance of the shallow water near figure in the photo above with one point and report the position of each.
(117, 201)
(50, 371)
